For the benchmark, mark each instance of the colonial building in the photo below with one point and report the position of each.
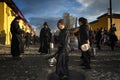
(103, 21)
(8, 11)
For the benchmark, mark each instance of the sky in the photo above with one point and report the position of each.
(39, 11)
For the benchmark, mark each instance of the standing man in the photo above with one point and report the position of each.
(62, 53)
(84, 39)
(16, 43)
(45, 39)
(112, 36)
(98, 38)
(113, 29)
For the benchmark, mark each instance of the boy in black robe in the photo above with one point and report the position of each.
(62, 53)
(16, 43)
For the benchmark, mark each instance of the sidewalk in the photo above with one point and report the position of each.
(4, 49)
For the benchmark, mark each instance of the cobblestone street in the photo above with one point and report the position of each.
(34, 66)
(59, 39)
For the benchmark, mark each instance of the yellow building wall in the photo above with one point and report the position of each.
(104, 22)
(24, 26)
(93, 25)
(101, 23)
(2, 23)
(9, 15)
(2, 32)
(115, 21)
(1, 16)
(6, 17)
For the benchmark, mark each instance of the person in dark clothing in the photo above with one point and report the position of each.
(45, 39)
(17, 46)
(112, 36)
(113, 39)
(62, 53)
(91, 36)
(98, 39)
(34, 39)
(113, 29)
(84, 39)
(27, 39)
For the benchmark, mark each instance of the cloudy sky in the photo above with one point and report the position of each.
(38, 11)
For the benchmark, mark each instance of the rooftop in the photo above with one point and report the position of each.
(114, 15)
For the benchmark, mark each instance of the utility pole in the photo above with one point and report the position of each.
(76, 22)
(110, 7)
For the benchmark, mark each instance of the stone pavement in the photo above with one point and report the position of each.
(34, 66)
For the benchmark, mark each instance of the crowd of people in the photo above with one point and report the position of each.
(104, 37)
(86, 37)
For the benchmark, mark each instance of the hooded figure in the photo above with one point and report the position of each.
(45, 39)
(16, 42)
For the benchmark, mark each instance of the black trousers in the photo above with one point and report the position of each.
(112, 45)
(98, 44)
(62, 64)
(86, 57)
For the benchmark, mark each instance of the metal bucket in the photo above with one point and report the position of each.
(51, 45)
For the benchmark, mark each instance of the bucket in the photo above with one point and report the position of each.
(51, 45)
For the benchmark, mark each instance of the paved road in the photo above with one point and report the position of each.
(34, 66)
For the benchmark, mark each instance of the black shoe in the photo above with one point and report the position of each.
(83, 64)
(65, 77)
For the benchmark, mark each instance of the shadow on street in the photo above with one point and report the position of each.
(73, 75)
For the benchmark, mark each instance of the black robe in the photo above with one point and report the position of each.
(16, 42)
(84, 36)
(62, 54)
(27, 39)
(45, 39)
(113, 39)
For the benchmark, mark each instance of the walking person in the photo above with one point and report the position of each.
(84, 39)
(27, 40)
(45, 39)
(34, 39)
(98, 38)
(62, 53)
(112, 36)
(17, 46)
(113, 39)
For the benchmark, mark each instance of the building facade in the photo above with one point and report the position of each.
(69, 20)
(8, 11)
(103, 21)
